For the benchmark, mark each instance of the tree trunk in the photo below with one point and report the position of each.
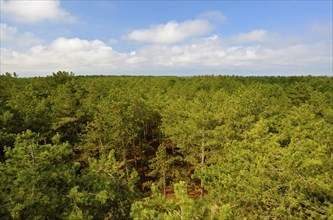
(164, 183)
(125, 160)
(202, 162)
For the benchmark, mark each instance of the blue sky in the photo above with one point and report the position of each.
(166, 37)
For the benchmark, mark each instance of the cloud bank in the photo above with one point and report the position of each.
(96, 57)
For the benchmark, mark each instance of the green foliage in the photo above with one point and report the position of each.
(161, 166)
(157, 207)
(211, 147)
(105, 192)
(36, 177)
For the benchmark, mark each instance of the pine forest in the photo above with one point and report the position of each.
(166, 147)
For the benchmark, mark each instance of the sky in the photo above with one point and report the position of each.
(182, 38)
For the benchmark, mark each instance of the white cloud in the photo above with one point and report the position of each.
(214, 16)
(10, 34)
(253, 36)
(7, 32)
(72, 54)
(35, 11)
(171, 32)
(204, 55)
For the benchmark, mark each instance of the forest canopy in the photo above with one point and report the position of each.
(165, 147)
